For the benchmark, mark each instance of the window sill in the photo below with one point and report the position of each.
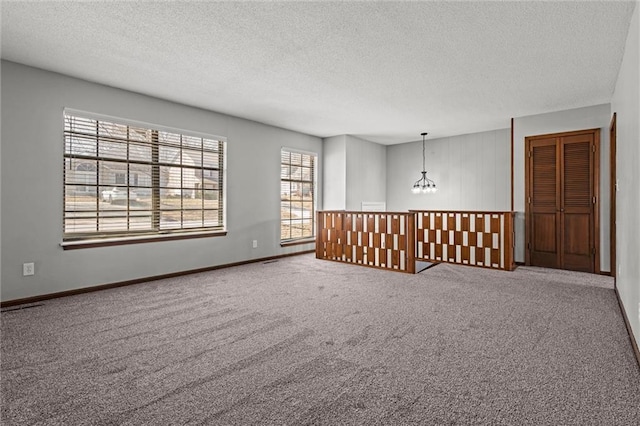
(297, 242)
(118, 241)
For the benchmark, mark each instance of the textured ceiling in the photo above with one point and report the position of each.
(383, 71)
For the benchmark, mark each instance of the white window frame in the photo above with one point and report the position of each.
(210, 226)
(304, 239)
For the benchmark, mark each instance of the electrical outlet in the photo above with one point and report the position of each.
(255, 243)
(28, 269)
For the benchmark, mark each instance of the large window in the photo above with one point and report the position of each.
(123, 180)
(297, 195)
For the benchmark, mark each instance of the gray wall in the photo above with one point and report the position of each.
(472, 172)
(366, 172)
(32, 173)
(598, 116)
(354, 171)
(335, 176)
(626, 103)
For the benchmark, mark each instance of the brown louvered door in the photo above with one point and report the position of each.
(576, 211)
(562, 201)
(544, 198)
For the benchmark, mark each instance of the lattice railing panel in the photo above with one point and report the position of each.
(377, 239)
(469, 238)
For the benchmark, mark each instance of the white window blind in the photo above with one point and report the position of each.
(125, 180)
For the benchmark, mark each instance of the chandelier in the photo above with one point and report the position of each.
(424, 184)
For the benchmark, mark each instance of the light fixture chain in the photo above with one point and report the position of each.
(423, 154)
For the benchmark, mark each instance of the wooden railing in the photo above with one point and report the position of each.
(377, 239)
(474, 238)
(391, 240)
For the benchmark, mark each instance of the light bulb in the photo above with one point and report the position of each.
(415, 189)
(434, 189)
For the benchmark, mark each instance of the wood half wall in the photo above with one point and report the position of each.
(383, 240)
(473, 238)
(396, 240)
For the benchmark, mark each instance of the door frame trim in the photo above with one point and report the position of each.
(512, 169)
(612, 203)
(596, 190)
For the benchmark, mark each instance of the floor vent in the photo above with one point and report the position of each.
(19, 308)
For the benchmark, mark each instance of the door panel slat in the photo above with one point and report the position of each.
(577, 175)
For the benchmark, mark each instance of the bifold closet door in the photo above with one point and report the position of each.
(561, 201)
(544, 200)
(577, 202)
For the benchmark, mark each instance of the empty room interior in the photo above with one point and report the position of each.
(320, 212)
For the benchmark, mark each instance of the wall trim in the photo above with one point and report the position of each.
(100, 287)
(512, 143)
(634, 343)
(612, 195)
(298, 242)
(108, 242)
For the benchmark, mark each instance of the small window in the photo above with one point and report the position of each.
(123, 180)
(297, 195)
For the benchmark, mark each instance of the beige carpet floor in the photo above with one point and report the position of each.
(302, 341)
